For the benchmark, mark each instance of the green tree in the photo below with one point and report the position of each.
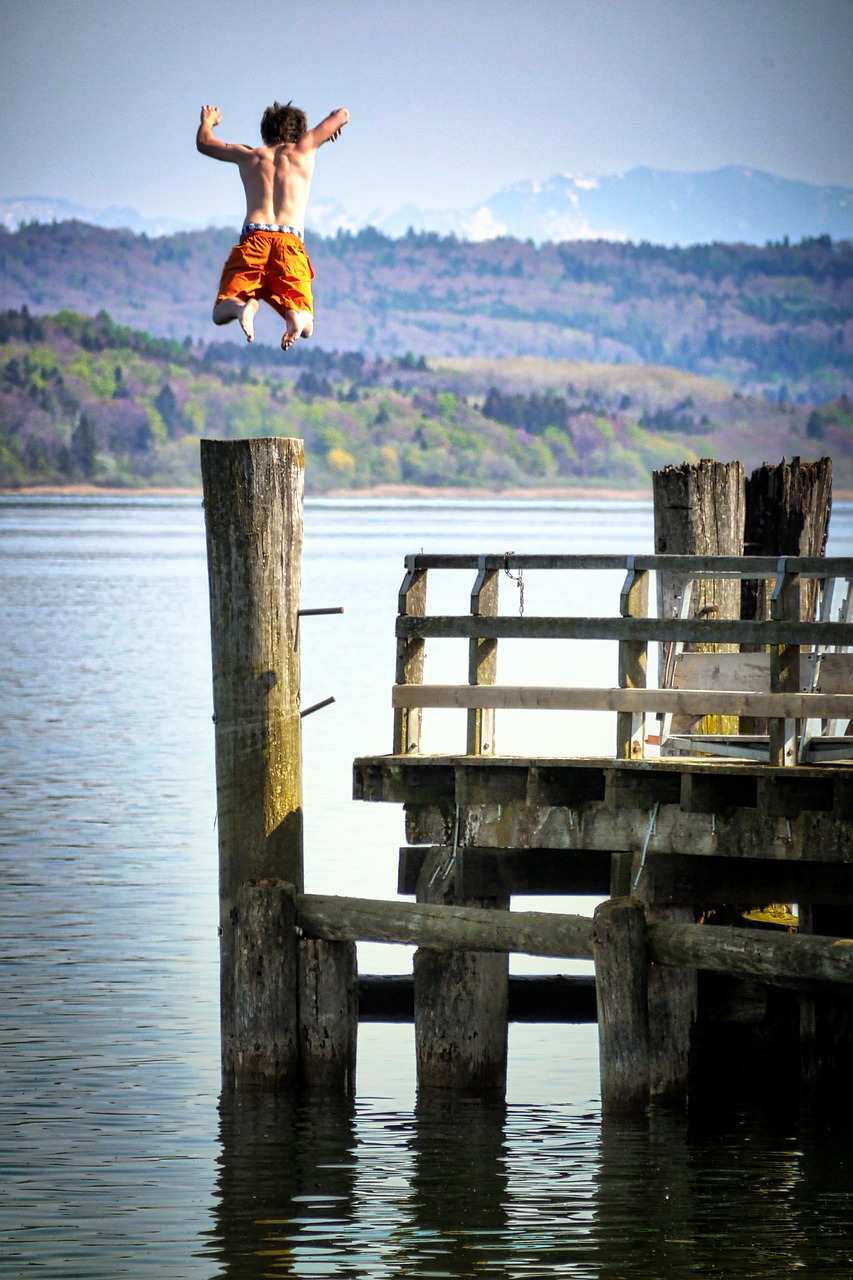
(84, 446)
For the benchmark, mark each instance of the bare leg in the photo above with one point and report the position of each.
(239, 308)
(300, 324)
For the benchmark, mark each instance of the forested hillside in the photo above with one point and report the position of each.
(775, 321)
(86, 400)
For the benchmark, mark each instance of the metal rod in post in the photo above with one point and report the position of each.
(253, 494)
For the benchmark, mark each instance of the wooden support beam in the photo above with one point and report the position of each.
(771, 956)
(328, 1014)
(481, 871)
(444, 927)
(619, 940)
(532, 998)
(253, 514)
(759, 953)
(682, 880)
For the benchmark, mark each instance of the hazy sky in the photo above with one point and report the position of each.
(450, 100)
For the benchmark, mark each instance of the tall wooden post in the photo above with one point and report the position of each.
(788, 509)
(698, 510)
(253, 510)
(788, 505)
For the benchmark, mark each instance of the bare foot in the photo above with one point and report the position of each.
(242, 309)
(247, 318)
(300, 324)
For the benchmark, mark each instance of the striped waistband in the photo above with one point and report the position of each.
(249, 227)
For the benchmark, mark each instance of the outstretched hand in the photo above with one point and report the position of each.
(211, 116)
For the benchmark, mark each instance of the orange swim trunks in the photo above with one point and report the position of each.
(271, 265)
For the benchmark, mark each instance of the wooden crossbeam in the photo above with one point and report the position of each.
(651, 630)
(692, 702)
(699, 566)
(740, 951)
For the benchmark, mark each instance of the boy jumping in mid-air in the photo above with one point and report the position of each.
(270, 261)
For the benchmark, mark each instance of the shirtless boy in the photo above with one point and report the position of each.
(270, 261)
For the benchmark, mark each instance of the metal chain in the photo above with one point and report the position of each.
(518, 579)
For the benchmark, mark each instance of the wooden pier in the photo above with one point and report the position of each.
(727, 799)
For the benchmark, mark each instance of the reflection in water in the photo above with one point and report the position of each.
(461, 1188)
(284, 1185)
(729, 1197)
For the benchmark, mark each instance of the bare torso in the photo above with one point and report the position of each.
(277, 182)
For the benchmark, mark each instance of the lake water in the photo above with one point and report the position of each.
(118, 1156)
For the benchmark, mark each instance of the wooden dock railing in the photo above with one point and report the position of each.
(783, 635)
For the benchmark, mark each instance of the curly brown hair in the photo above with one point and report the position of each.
(282, 124)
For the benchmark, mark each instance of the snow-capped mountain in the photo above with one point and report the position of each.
(656, 205)
(663, 207)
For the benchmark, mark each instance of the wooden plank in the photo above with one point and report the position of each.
(726, 671)
(441, 927)
(619, 940)
(567, 998)
(482, 872)
(694, 702)
(813, 836)
(691, 565)
(651, 630)
(836, 673)
(714, 881)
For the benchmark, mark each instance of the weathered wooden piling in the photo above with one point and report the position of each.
(461, 998)
(328, 1014)
(786, 513)
(621, 981)
(253, 492)
(288, 1013)
(698, 510)
(261, 1045)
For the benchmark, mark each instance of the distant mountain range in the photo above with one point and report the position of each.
(729, 205)
(768, 320)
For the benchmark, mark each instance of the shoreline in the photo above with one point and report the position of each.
(382, 491)
(395, 491)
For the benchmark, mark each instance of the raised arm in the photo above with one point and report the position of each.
(208, 144)
(328, 130)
